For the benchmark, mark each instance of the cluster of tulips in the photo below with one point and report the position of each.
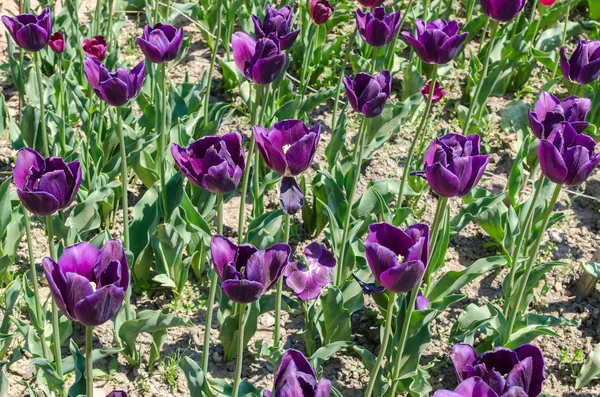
(89, 285)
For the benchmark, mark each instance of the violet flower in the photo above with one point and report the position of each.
(276, 25)
(95, 48)
(421, 303)
(307, 279)
(377, 29)
(259, 61)
(115, 88)
(438, 93)
(160, 43)
(476, 387)
(584, 65)
(502, 10)
(370, 3)
(118, 393)
(368, 94)
(320, 11)
(550, 111)
(57, 43)
(437, 42)
(295, 377)
(30, 32)
(369, 288)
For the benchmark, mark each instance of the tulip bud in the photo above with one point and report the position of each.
(320, 11)
(114, 88)
(95, 48)
(160, 43)
(377, 29)
(259, 61)
(502, 10)
(367, 94)
(276, 26)
(438, 93)
(30, 32)
(584, 65)
(295, 377)
(437, 42)
(57, 43)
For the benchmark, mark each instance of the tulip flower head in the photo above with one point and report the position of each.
(437, 42)
(118, 393)
(213, 163)
(45, 186)
(476, 387)
(502, 10)
(377, 29)
(438, 93)
(30, 32)
(368, 94)
(95, 48)
(547, 2)
(296, 377)
(421, 303)
(370, 3)
(584, 65)
(320, 11)
(566, 157)
(57, 43)
(160, 43)
(246, 273)
(114, 88)
(453, 164)
(259, 61)
(550, 111)
(502, 369)
(276, 26)
(397, 257)
(307, 279)
(368, 288)
(89, 284)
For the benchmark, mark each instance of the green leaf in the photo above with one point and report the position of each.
(146, 215)
(266, 230)
(333, 318)
(590, 369)
(324, 353)
(229, 329)
(197, 384)
(49, 372)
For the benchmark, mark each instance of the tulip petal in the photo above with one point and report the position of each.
(114, 92)
(442, 181)
(266, 70)
(418, 47)
(222, 252)
(538, 374)
(55, 184)
(242, 291)
(374, 107)
(301, 154)
(474, 387)
(27, 160)
(590, 72)
(565, 66)
(112, 251)
(243, 47)
(391, 237)
(323, 388)
(551, 162)
(275, 260)
(316, 254)
(79, 258)
(521, 374)
(32, 37)
(501, 359)
(462, 355)
(404, 277)
(38, 203)
(99, 307)
(297, 281)
(450, 49)
(291, 197)
(272, 156)
(380, 259)
(57, 283)
(91, 68)
(150, 51)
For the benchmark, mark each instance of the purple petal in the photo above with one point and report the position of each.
(404, 277)
(551, 162)
(27, 159)
(222, 252)
(242, 291)
(291, 197)
(462, 355)
(99, 307)
(79, 258)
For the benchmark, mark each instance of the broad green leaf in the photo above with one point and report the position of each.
(590, 369)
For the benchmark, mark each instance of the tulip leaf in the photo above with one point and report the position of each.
(333, 319)
(266, 230)
(229, 329)
(49, 372)
(11, 295)
(196, 380)
(145, 218)
(590, 369)
(326, 352)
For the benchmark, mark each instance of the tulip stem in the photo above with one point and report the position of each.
(433, 236)
(305, 65)
(211, 293)
(564, 37)
(240, 352)
(338, 91)
(89, 363)
(63, 102)
(411, 151)
(213, 59)
(55, 328)
(258, 205)
(359, 148)
(38, 75)
(486, 64)
(470, 10)
(438, 221)
(389, 61)
(286, 239)
(530, 263)
(161, 141)
(384, 343)
(110, 24)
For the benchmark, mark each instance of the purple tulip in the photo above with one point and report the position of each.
(502, 10)
(476, 387)
(377, 29)
(213, 163)
(118, 393)
(437, 42)
(45, 186)
(95, 48)
(307, 280)
(89, 284)
(160, 43)
(550, 111)
(30, 32)
(502, 369)
(245, 272)
(260, 61)
(368, 288)
(57, 43)
(438, 93)
(421, 303)
(584, 65)
(320, 11)
(566, 157)
(276, 26)
(296, 378)
(453, 165)
(370, 3)
(397, 257)
(368, 94)
(115, 88)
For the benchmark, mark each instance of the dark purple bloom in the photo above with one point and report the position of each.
(291, 197)
(397, 257)
(421, 303)
(584, 65)
(160, 43)
(377, 29)
(95, 48)
(438, 93)
(89, 284)
(437, 42)
(371, 3)
(502, 10)
(114, 88)
(307, 279)
(214, 163)
(296, 378)
(118, 393)
(502, 369)
(320, 11)
(45, 186)
(368, 288)
(245, 272)
(550, 111)
(30, 32)
(276, 26)
(57, 43)
(566, 157)
(476, 387)
(453, 165)
(368, 94)
(260, 61)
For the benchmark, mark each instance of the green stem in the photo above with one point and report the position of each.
(258, 205)
(109, 39)
(213, 59)
(470, 11)
(55, 328)
(338, 90)
(62, 100)
(97, 12)
(373, 60)
(240, 352)
(425, 10)
(38, 75)
(286, 239)
(411, 151)
(359, 148)
(564, 37)
(161, 142)
(486, 64)
(383, 349)
(305, 65)
(89, 363)
(438, 221)
(389, 61)
(530, 263)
